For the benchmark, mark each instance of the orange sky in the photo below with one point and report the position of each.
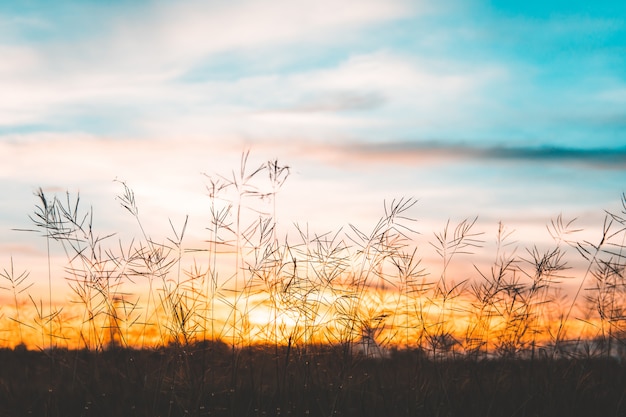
(509, 111)
(152, 301)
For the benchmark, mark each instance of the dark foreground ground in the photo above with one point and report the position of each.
(211, 380)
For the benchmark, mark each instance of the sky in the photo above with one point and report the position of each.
(509, 111)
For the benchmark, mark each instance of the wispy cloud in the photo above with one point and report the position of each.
(184, 32)
(370, 80)
(337, 102)
(170, 37)
(124, 79)
(436, 152)
(149, 70)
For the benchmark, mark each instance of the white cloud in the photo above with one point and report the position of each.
(138, 56)
(328, 101)
(183, 32)
(130, 71)
(402, 91)
(16, 59)
(165, 37)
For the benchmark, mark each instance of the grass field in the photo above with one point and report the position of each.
(207, 380)
(348, 322)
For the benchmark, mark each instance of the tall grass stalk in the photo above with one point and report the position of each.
(447, 245)
(46, 218)
(17, 284)
(488, 295)
(348, 289)
(590, 253)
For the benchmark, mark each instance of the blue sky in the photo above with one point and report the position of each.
(499, 73)
(512, 111)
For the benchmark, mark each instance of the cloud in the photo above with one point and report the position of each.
(131, 66)
(198, 27)
(380, 90)
(129, 77)
(436, 152)
(392, 93)
(16, 59)
(337, 102)
(164, 36)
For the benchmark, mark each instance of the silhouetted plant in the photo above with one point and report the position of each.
(339, 288)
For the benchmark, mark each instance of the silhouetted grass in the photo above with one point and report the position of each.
(166, 382)
(355, 324)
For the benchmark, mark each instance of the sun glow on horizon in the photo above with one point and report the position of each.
(388, 326)
(245, 284)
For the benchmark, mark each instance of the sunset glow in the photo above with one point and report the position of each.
(384, 287)
(176, 172)
(368, 208)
